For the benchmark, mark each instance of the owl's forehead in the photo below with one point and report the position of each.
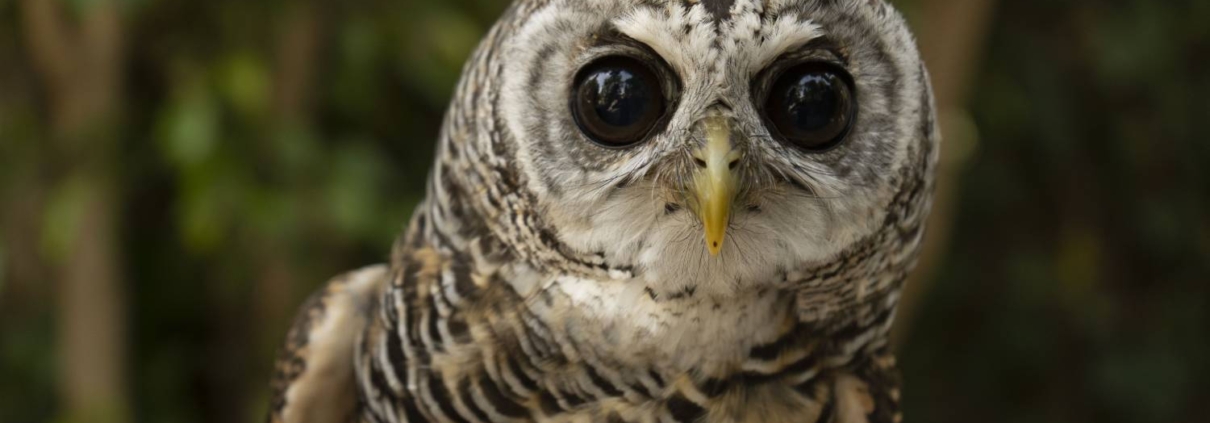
(721, 11)
(705, 36)
(731, 27)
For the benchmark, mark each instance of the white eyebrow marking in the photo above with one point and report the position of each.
(757, 44)
(665, 33)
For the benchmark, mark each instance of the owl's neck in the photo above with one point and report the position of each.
(633, 325)
(860, 281)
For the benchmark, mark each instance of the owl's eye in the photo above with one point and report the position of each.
(811, 106)
(617, 100)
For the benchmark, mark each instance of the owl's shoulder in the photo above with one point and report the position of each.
(313, 375)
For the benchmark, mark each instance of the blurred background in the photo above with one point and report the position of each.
(175, 176)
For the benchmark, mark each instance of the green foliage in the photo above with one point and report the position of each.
(1075, 288)
(245, 85)
(240, 192)
(62, 220)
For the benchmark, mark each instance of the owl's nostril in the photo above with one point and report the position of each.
(734, 163)
(720, 105)
(670, 208)
(700, 163)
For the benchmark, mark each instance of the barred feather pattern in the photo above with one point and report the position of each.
(481, 317)
(452, 344)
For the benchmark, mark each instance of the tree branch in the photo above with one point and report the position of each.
(49, 40)
(82, 72)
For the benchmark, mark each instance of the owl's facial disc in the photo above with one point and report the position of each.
(663, 142)
(714, 180)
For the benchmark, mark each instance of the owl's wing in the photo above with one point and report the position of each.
(313, 378)
(869, 394)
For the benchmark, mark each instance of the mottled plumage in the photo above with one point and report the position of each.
(549, 277)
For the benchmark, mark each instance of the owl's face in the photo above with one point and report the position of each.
(711, 144)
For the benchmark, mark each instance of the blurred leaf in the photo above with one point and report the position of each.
(460, 36)
(274, 213)
(208, 205)
(360, 46)
(298, 153)
(203, 222)
(189, 129)
(353, 194)
(245, 84)
(1078, 260)
(64, 212)
(79, 7)
(434, 61)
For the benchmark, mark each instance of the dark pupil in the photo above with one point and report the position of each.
(811, 108)
(617, 102)
(811, 102)
(618, 96)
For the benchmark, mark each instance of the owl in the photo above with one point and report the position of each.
(645, 211)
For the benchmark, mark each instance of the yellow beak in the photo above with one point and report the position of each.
(714, 181)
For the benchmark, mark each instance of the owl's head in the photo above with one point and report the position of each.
(702, 145)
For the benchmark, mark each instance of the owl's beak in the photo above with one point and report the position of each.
(714, 180)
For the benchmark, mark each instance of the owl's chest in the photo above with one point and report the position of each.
(638, 357)
(588, 352)
(768, 409)
(838, 397)
(631, 327)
